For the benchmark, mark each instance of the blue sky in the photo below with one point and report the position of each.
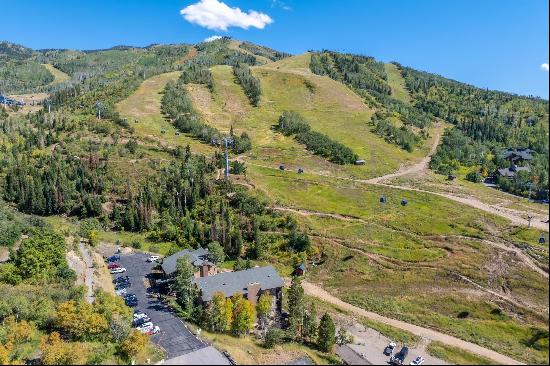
(496, 44)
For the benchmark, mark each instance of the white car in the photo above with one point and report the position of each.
(121, 292)
(153, 258)
(388, 351)
(118, 270)
(140, 315)
(418, 361)
(145, 327)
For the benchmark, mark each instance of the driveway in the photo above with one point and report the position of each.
(174, 337)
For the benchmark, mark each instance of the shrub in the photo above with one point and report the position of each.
(273, 337)
(474, 176)
(136, 244)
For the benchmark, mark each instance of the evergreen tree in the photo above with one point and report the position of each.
(183, 285)
(310, 324)
(326, 338)
(296, 308)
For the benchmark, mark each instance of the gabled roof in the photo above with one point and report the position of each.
(197, 257)
(515, 154)
(511, 171)
(231, 283)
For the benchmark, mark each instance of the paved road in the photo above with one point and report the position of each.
(173, 337)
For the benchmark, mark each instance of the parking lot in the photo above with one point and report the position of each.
(174, 337)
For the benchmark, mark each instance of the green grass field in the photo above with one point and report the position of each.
(59, 76)
(397, 83)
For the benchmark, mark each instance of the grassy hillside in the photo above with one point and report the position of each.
(143, 106)
(428, 261)
(58, 75)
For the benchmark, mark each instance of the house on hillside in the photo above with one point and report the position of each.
(518, 156)
(198, 258)
(250, 283)
(511, 171)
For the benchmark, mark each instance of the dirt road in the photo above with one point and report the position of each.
(432, 335)
(415, 168)
(89, 274)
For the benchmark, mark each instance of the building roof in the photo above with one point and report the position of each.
(197, 257)
(512, 170)
(516, 154)
(231, 283)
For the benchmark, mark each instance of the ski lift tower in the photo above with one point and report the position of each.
(98, 105)
(49, 104)
(227, 141)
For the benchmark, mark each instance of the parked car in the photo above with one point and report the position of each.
(121, 292)
(139, 322)
(131, 302)
(418, 361)
(121, 279)
(113, 258)
(145, 327)
(118, 270)
(153, 258)
(399, 358)
(155, 330)
(121, 285)
(390, 348)
(138, 314)
(113, 266)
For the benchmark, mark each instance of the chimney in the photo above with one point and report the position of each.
(253, 289)
(204, 269)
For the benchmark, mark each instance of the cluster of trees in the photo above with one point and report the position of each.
(304, 325)
(179, 108)
(11, 227)
(107, 321)
(40, 258)
(21, 76)
(486, 122)
(198, 74)
(401, 136)
(250, 84)
(218, 52)
(41, 310)
(56, 185)
(235, 314)
(360, 72)
(266, 52)
(292, 123)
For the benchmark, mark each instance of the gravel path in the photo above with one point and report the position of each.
(430, 334)
(89, 273)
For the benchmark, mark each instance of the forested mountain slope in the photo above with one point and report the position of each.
(132, 153)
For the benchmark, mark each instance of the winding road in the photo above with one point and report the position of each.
(430, 334)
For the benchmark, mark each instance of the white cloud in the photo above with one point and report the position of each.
(216, 15)
(280, 4)
(544, 66)
(212, 38)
